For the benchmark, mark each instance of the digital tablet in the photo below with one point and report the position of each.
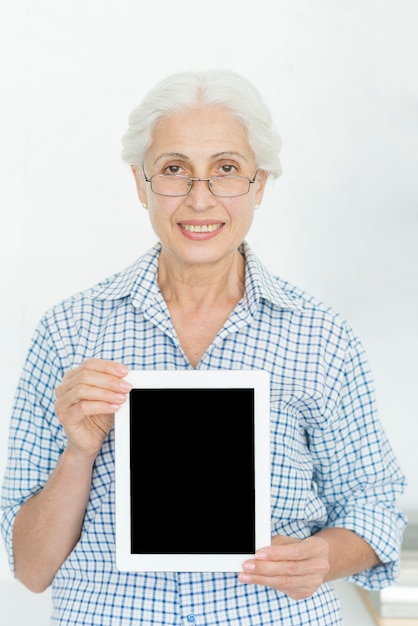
(192, 463)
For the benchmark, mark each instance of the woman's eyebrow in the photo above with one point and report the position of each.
(171, 155)
(229, 153)
(217, 155)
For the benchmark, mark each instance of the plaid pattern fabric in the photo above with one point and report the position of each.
(331, 464)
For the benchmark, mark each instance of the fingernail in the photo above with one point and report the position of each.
(249, 566)
(244, 578)
(125, 385)
(260, 555)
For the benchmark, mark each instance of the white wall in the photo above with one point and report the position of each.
(341, 78)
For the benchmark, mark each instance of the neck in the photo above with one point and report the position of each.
(191, 286)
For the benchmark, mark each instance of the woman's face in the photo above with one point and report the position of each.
(200, 228)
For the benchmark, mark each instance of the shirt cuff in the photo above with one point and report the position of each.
(7, 521)
(382, 529)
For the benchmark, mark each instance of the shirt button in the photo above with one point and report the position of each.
(191, 618)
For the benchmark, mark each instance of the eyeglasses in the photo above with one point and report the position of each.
(179, 185)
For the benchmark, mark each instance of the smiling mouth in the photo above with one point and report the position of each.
(203, 228)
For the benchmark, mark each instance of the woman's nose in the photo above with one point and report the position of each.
(200, 197)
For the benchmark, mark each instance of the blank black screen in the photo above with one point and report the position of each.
(192, 471)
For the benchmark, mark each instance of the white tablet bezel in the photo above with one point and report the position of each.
(258, 380)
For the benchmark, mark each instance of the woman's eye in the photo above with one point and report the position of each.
(228, 168)
(172, 169)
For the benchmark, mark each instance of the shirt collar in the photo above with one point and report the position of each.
(139, 281)
(260, 283)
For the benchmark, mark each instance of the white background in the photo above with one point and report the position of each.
(342, 222)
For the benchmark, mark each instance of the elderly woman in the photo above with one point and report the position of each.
(201, 147)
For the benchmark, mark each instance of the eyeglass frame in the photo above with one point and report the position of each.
(191, 180)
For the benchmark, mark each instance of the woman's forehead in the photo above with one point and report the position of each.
(212, 130)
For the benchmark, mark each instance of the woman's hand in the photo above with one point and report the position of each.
(48, 525)
(295, 567)
(87, 400)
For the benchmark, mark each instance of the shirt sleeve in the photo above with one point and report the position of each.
(36, 438)
(356, 472)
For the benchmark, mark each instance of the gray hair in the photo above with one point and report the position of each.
(187, 90)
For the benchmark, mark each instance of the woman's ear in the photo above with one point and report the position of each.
(260, 182)
(140, 184)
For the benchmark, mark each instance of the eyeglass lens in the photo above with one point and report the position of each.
(181, 185)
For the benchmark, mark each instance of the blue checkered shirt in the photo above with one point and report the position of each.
(331, 464)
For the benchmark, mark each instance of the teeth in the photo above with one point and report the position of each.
(205, 228)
